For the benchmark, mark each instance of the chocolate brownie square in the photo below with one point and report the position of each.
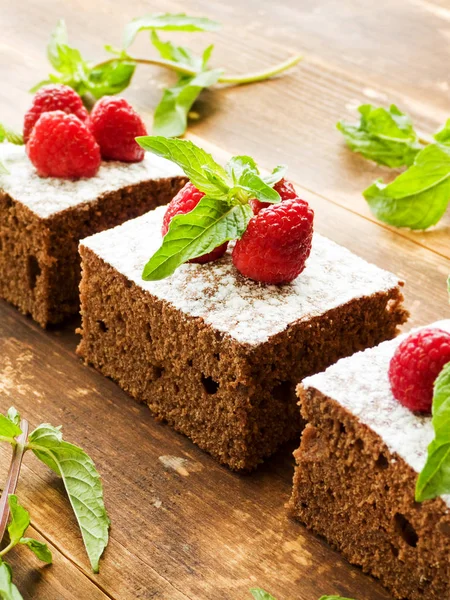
(215, 355)
(357, 468)
(42, 221)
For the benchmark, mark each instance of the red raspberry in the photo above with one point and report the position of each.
(276, 243)
(50, 98)
(115, 124)
(185, 201)
(415, 366)
(61, 145)
(283, 187)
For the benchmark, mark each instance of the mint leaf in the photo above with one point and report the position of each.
(259, 594)
(171, 114)
(434, 479)
(9, 429)
(39, 549)
(237, 165)
(8, 590)
(188, 157)
(58, 38)
(8, 135)
(384, 136)
(109, 78)
(167, 22)
(19, 522)
(179, 54)
(417, 198)
(443, 136)
(210, 224)
(14, 416)
(256, 187)
(82, 483)
(277, 174)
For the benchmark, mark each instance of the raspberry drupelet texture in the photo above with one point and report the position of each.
(283, 187)
(415, 366)
(61, 145)
(50, 98)
(276, 243)
(114, 124)
(185, 201)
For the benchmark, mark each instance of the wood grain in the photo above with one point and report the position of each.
(184, 527)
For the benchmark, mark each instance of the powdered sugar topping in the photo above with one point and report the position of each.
(360, 384)
(249, 312)
(46, 196)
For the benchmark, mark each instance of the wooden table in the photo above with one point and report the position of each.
(193, 529)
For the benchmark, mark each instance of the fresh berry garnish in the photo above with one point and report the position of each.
(53, 97)
(416, 363)
(115, 124)
(276, 243)
(185, 201)
(61, 145)
(283, 187)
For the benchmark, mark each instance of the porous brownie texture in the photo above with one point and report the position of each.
(200, 348)
(357, 468)
(41, 224)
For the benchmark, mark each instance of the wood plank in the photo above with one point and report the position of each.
(290, 120)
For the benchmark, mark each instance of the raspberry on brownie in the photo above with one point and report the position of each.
(215, 354)
(359, 460)
(42, 220)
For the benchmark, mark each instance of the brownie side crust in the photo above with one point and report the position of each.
(39, 260)
(235, 400)
(350, 489)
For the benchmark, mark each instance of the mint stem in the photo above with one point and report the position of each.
(230, 79)
(13, 476)
(262, 75)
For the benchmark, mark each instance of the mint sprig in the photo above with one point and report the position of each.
(221, 215)
(417, 198)
(111, 76)
(434, 479)
(80, 479)
(386, 136)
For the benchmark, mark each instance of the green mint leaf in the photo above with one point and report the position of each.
(384, 136)
(82, 483)
(206, 56)
(190, 158)
(434, 479)
(7, 135)
(19, 520)
(167, 22)
(58, 38)
(259, 594)
(8, 590)
(256, 187)
(14, 416)
(210, 224)
(443, 136)
(39, 549)
(237, 165)
(171, 115)
(109, 78)
(277, 175)
(417, 198)
(9, 429)
(178, 54)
